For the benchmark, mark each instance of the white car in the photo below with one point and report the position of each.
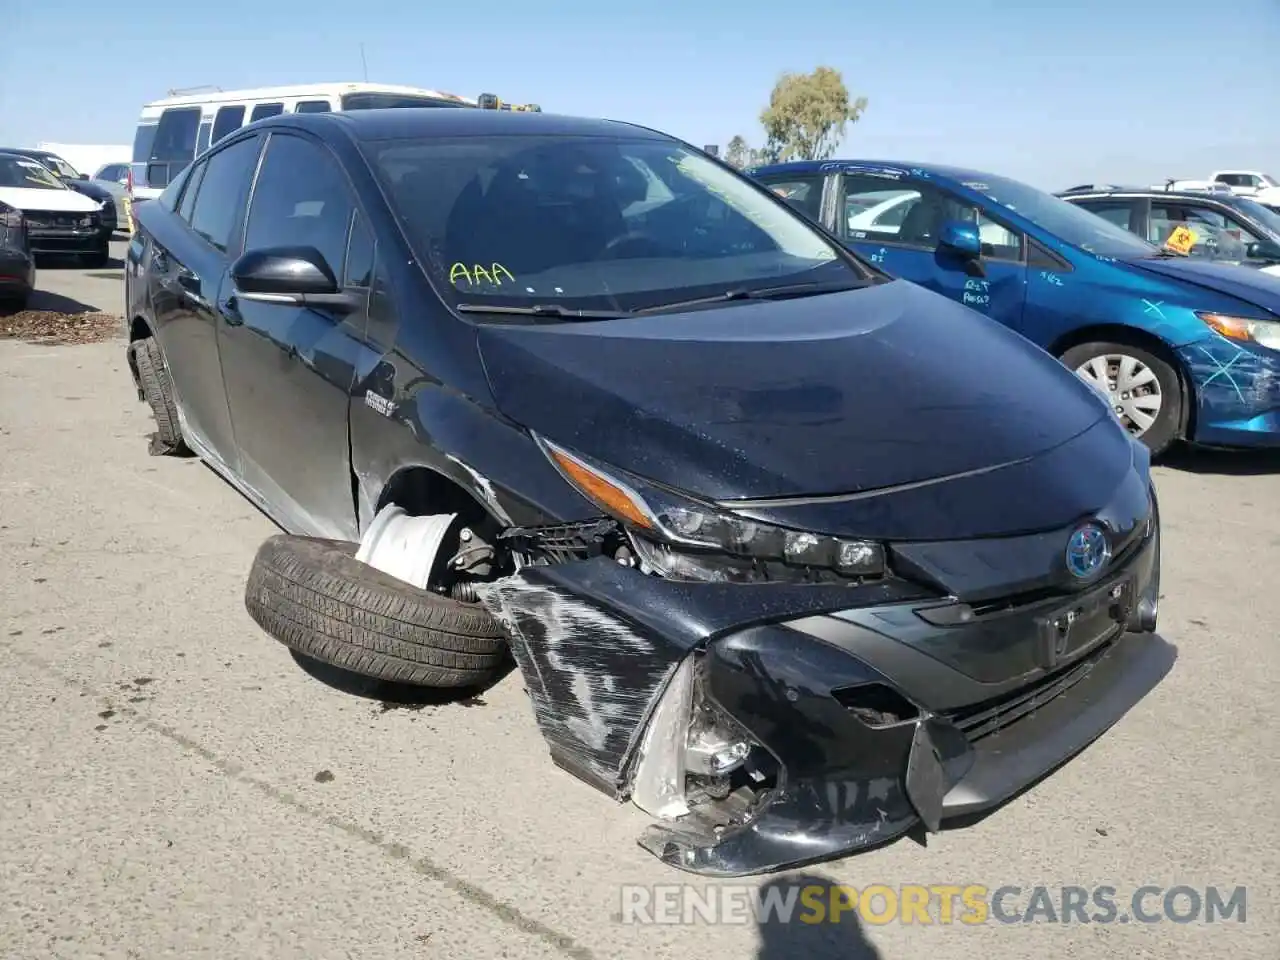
(1250, 183)
(59, 220)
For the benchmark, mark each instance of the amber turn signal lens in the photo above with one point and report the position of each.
(606, 494)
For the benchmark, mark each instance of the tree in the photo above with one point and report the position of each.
(808, 114)
(737, 153)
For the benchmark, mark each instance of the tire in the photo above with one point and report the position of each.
(157, 391)
(317, 599)
(1162, 433)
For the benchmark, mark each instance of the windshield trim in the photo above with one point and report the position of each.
(864, 273)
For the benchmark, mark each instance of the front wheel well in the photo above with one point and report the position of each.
(1134, 337)
(423, 491)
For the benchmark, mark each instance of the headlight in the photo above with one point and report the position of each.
(682, 538)
(10, 217)
(1265, 333)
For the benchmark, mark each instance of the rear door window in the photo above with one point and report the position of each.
(228, 120)
(264, 110)
(188, 202)
(1119, 212)
(313, 106)
(802, 191)
(222, 192)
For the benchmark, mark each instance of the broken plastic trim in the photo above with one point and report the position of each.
(697, 765)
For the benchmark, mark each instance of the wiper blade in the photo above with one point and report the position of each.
(780, 292)
(543, 310)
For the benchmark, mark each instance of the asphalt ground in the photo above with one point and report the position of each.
(172, 783)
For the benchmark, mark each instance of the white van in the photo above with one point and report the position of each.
(174, 131)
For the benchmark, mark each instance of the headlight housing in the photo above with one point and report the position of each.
(10, 217)
(1265, 333)
(682, 538)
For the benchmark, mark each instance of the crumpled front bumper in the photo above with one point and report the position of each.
(610, 657)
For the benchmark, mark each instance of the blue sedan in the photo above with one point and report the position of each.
(1183, 348)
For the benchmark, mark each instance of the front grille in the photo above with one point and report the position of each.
(47, 220)
(983, 719)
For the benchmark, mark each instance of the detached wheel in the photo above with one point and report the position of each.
(1143, 389)
(316, 598)
(157, 390)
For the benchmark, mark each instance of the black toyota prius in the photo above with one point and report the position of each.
(790, 553)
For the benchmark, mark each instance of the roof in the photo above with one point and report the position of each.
(28, 152)
(1153, 192)
(901, 166)
(405, 122)
(296, 90)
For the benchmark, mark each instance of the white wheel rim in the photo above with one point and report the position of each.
(1129, 385)
(403, 546)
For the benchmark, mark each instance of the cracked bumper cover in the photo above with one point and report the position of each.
(604, 649)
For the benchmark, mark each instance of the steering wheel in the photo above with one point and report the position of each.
(631, 237)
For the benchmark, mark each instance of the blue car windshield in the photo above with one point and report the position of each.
(1066, 221)
(594, 223)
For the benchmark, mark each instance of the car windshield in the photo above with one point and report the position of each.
(592, 223)
(1263, 216)
(1064, 220)
(28, 174)
(60, 167)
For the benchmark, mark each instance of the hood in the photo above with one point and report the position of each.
(94, 190)
(1258, 287)
(32, 198)
(847, 392)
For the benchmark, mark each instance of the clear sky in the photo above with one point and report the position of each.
(1051, 93)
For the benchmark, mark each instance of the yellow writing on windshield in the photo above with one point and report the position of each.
(478, 273)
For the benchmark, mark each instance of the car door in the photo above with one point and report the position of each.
(290, 370)
(186, 270)
(895, 223)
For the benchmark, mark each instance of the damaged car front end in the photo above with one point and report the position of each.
(775, 697)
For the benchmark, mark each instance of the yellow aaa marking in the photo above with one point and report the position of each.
(477, 273)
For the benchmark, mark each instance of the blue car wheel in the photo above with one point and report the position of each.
(1142, 389)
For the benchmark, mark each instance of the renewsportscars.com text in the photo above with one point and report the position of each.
(964, 904)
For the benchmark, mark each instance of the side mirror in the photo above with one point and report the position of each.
(961, 238)
(83, 176)
(296, 276)
(1262, 250)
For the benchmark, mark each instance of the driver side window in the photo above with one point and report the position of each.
(912, 213)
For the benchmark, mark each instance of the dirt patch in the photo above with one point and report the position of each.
(51, 327)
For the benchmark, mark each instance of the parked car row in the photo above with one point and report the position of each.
(778, 540)
(57, 219)
(1182, 347)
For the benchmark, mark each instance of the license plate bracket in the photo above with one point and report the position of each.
(1088, 620)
